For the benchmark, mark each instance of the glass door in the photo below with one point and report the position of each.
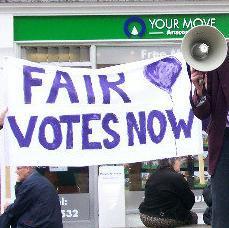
(76, 192)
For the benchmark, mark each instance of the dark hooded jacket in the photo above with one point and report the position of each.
(167, 194)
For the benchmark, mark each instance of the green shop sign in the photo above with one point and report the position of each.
(113, 27)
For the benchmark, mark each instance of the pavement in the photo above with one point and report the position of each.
(196, 226)
(191, 226)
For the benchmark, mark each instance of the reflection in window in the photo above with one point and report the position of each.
(72, 180)
(56, 54)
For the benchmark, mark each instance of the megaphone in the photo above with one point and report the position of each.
(204, 48)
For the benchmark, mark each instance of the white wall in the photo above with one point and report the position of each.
(3, 52)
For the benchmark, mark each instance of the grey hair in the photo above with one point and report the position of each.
(167, 163)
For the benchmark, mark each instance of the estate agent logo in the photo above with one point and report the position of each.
(134, 26)
(164, 26)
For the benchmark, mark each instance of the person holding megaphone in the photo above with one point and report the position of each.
(210, 77)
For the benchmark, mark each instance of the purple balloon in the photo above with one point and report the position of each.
(163, 73)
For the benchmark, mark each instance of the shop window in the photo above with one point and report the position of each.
(67, 180)
(106, 55)
(56, 54)
(136, 174)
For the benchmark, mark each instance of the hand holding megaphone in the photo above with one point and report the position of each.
(199, 80)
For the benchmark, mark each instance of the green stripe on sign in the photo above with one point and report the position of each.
(112, 27)
(68, 28)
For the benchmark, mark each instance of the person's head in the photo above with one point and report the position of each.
(173, 163)
(176, 164)
(23, 172)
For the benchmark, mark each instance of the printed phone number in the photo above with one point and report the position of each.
(70, 213)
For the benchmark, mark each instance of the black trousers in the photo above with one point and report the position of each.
(220, 188)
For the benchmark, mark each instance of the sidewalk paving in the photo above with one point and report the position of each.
(196, 226)
(191, 226)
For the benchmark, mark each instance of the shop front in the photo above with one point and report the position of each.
(98, 41)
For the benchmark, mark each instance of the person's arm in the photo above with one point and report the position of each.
(2, 118)
(184, 192)
(23, 200)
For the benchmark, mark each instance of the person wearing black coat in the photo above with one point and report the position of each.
(207, 216)
(168, 199)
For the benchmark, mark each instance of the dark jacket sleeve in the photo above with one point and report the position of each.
(186, 195)
(4, 221)
(22, 202)
(203, 111)
(16, 187)
(207, 195)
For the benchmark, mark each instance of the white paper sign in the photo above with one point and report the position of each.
(111, 193)
(78, 117)
(58, 169)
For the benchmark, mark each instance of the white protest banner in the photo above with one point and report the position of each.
(77, 117)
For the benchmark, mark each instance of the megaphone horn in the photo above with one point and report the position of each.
(204, 48)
